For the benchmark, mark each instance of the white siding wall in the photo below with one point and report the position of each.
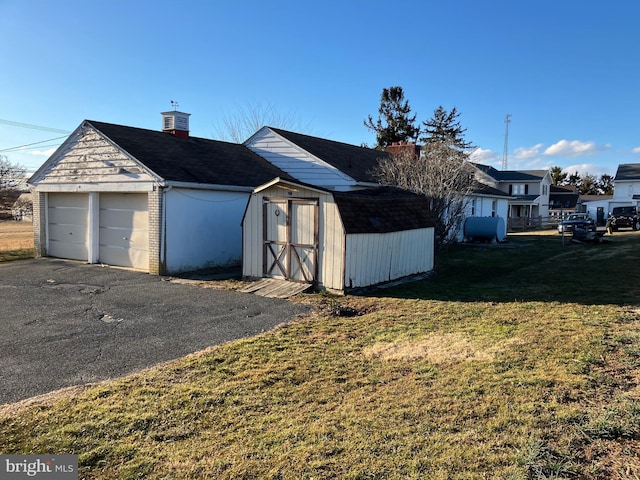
(297, 162)
(625, 190)
(330, 233)
(203, 229)
(376, 258)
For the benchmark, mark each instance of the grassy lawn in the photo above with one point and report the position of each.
(16, 240)
(518, 361)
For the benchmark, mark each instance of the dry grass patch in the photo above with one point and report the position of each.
(436, 349)
(16, 240)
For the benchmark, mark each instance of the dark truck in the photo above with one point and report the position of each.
(623, 217)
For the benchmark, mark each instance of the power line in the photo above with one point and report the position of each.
(33, 127)
(20, 147)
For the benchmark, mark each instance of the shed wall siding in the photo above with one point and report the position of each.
(203, 229)
(91, 159)
(376, 258)
(330, 235)
(297, 162)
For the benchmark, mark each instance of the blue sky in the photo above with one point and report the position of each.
(567, 71)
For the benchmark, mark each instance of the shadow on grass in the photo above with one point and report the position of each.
(533, 268)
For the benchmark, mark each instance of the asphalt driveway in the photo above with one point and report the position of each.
(65, 323)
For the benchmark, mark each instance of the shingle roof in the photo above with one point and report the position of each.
(480, 188)
(628, 171)
(357, 162)
(382, 210)
(193, 160)
(511, 175)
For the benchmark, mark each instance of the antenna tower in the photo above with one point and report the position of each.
(507, 121)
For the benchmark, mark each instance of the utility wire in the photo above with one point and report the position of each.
(33, 127)
(11, 149)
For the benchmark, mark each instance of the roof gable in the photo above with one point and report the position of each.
(87, 156)
(628, 172)
(357, 162)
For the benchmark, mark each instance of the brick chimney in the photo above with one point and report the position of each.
(404, 148)
(176, 123)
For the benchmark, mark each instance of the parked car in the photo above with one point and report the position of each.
(623, 217)
(567, 225)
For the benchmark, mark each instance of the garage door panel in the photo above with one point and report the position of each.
(124, 230)
(123, 238)
(112, 216)
(67, 218)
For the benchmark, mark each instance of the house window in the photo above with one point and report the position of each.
(544, 189)
(473, 207)
(519, 189)
(494, 208)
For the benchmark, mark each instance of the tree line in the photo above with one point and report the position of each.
(586, 184)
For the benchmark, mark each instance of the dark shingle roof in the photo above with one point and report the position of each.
(511, 175)
(628, 171)
(193, 160)
(382, 210)
(357, 162)
(480, 188)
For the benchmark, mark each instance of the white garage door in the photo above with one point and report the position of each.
(68, 217)
(124, 230)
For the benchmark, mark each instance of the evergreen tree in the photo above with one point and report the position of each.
(395, 122)
(558, 177)
(444, 128)
(605, 185)
(588, 185)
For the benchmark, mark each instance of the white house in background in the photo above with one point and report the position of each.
(161, 202)
(626, 192)
(528, 189)
(627, 184)
(338, 240)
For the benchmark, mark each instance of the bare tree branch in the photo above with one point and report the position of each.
(248, 119)
(442, 174)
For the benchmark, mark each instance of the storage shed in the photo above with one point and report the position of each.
(156, 201)
(336, 240)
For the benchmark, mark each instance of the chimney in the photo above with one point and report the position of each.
(403, 148)
(176, 123)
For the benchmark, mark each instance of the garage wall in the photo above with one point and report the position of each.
(202, 229)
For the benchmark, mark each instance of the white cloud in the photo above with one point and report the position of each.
(584, 168)
(573, 148)
(43, 153)
(636, 150)
(522, 153)
(486, 157)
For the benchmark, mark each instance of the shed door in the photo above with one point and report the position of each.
(67, 225)
(290, 248)
(124, 230)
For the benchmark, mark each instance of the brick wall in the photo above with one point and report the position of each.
(156, 263)
(39, 223)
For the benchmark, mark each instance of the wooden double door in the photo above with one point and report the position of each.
(290, 232)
